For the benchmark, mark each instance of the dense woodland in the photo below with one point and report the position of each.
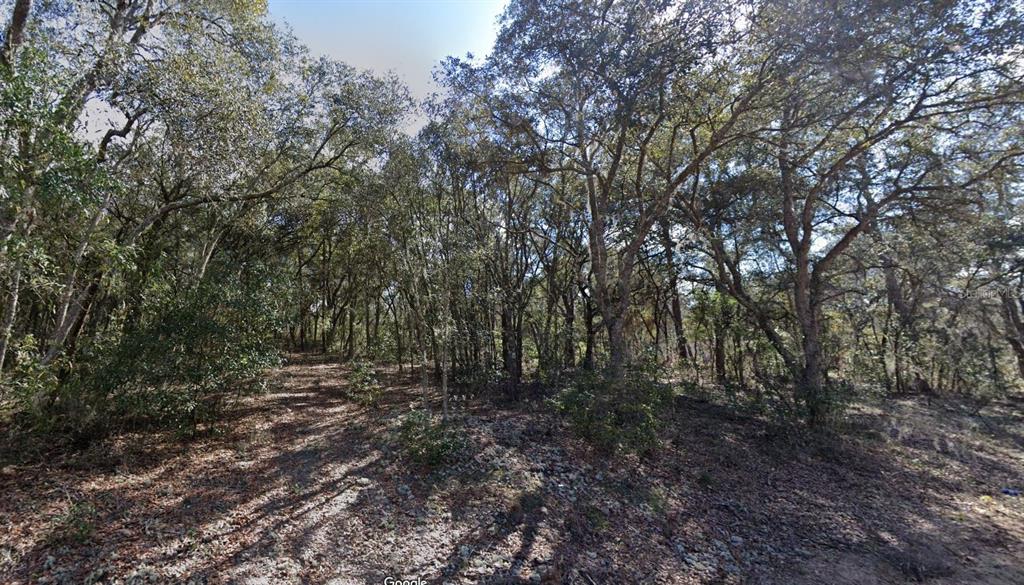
(656, 291)
(796, 204)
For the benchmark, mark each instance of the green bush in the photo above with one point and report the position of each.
(76, 525)
(617, 415)
(475, 378)
(366, 388)
(174, 368)
(835, 400)
(29, 386)
(428, 442)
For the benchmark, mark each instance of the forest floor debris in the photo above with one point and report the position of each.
(304, 484)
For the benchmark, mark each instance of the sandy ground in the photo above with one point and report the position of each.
(303, 485)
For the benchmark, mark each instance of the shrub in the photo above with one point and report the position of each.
(77, 524)
(475, 376)
(838, 396)
(175, 366)
(366, 388)
(30, 386)
(428, 442)
(616, 415)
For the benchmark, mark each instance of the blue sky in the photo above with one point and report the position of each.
(408, 37)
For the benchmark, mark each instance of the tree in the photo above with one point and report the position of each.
(618, 95)
(872, 121)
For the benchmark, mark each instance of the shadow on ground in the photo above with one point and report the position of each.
(304, 485)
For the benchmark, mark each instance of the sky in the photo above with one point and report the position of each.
(407, 37)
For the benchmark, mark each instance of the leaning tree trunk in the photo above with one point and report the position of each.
(71, 304)
(7, 328)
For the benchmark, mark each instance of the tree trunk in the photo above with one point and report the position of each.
(314, 334)
(83, 316)
(618, 349)
(399, 352)
(1012, 308)
(512, 345)
(721, 376)
(66, 313)
(740, 360)
(444, 382)
(350, 342)
(423, 376)
(506, 342)
(568, 340)
(812, 380)
(15, 32)
(368, 327)
(208, 249)
(12, 309)
(673, 285)
(588, 318)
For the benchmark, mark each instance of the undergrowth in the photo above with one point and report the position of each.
(427, 441)
(617, 415)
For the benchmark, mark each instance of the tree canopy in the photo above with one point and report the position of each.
(799, 202)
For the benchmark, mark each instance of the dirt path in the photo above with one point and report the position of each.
(306, 486)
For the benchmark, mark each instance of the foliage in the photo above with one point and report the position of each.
(29, 384)
(176, 366)
(366, 388)
(76, 524)
(783, 208)
(428, 442)
(617, 415)
(139, 256)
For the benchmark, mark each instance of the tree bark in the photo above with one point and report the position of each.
(682, 353)
(568, 338)
(618, 348)
(66, 313)
(12, 310)
(806, 297)
(512, 345)
(1012, 308)
(588, 322)
(15, 32)
(811, 385)
(721, 376)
